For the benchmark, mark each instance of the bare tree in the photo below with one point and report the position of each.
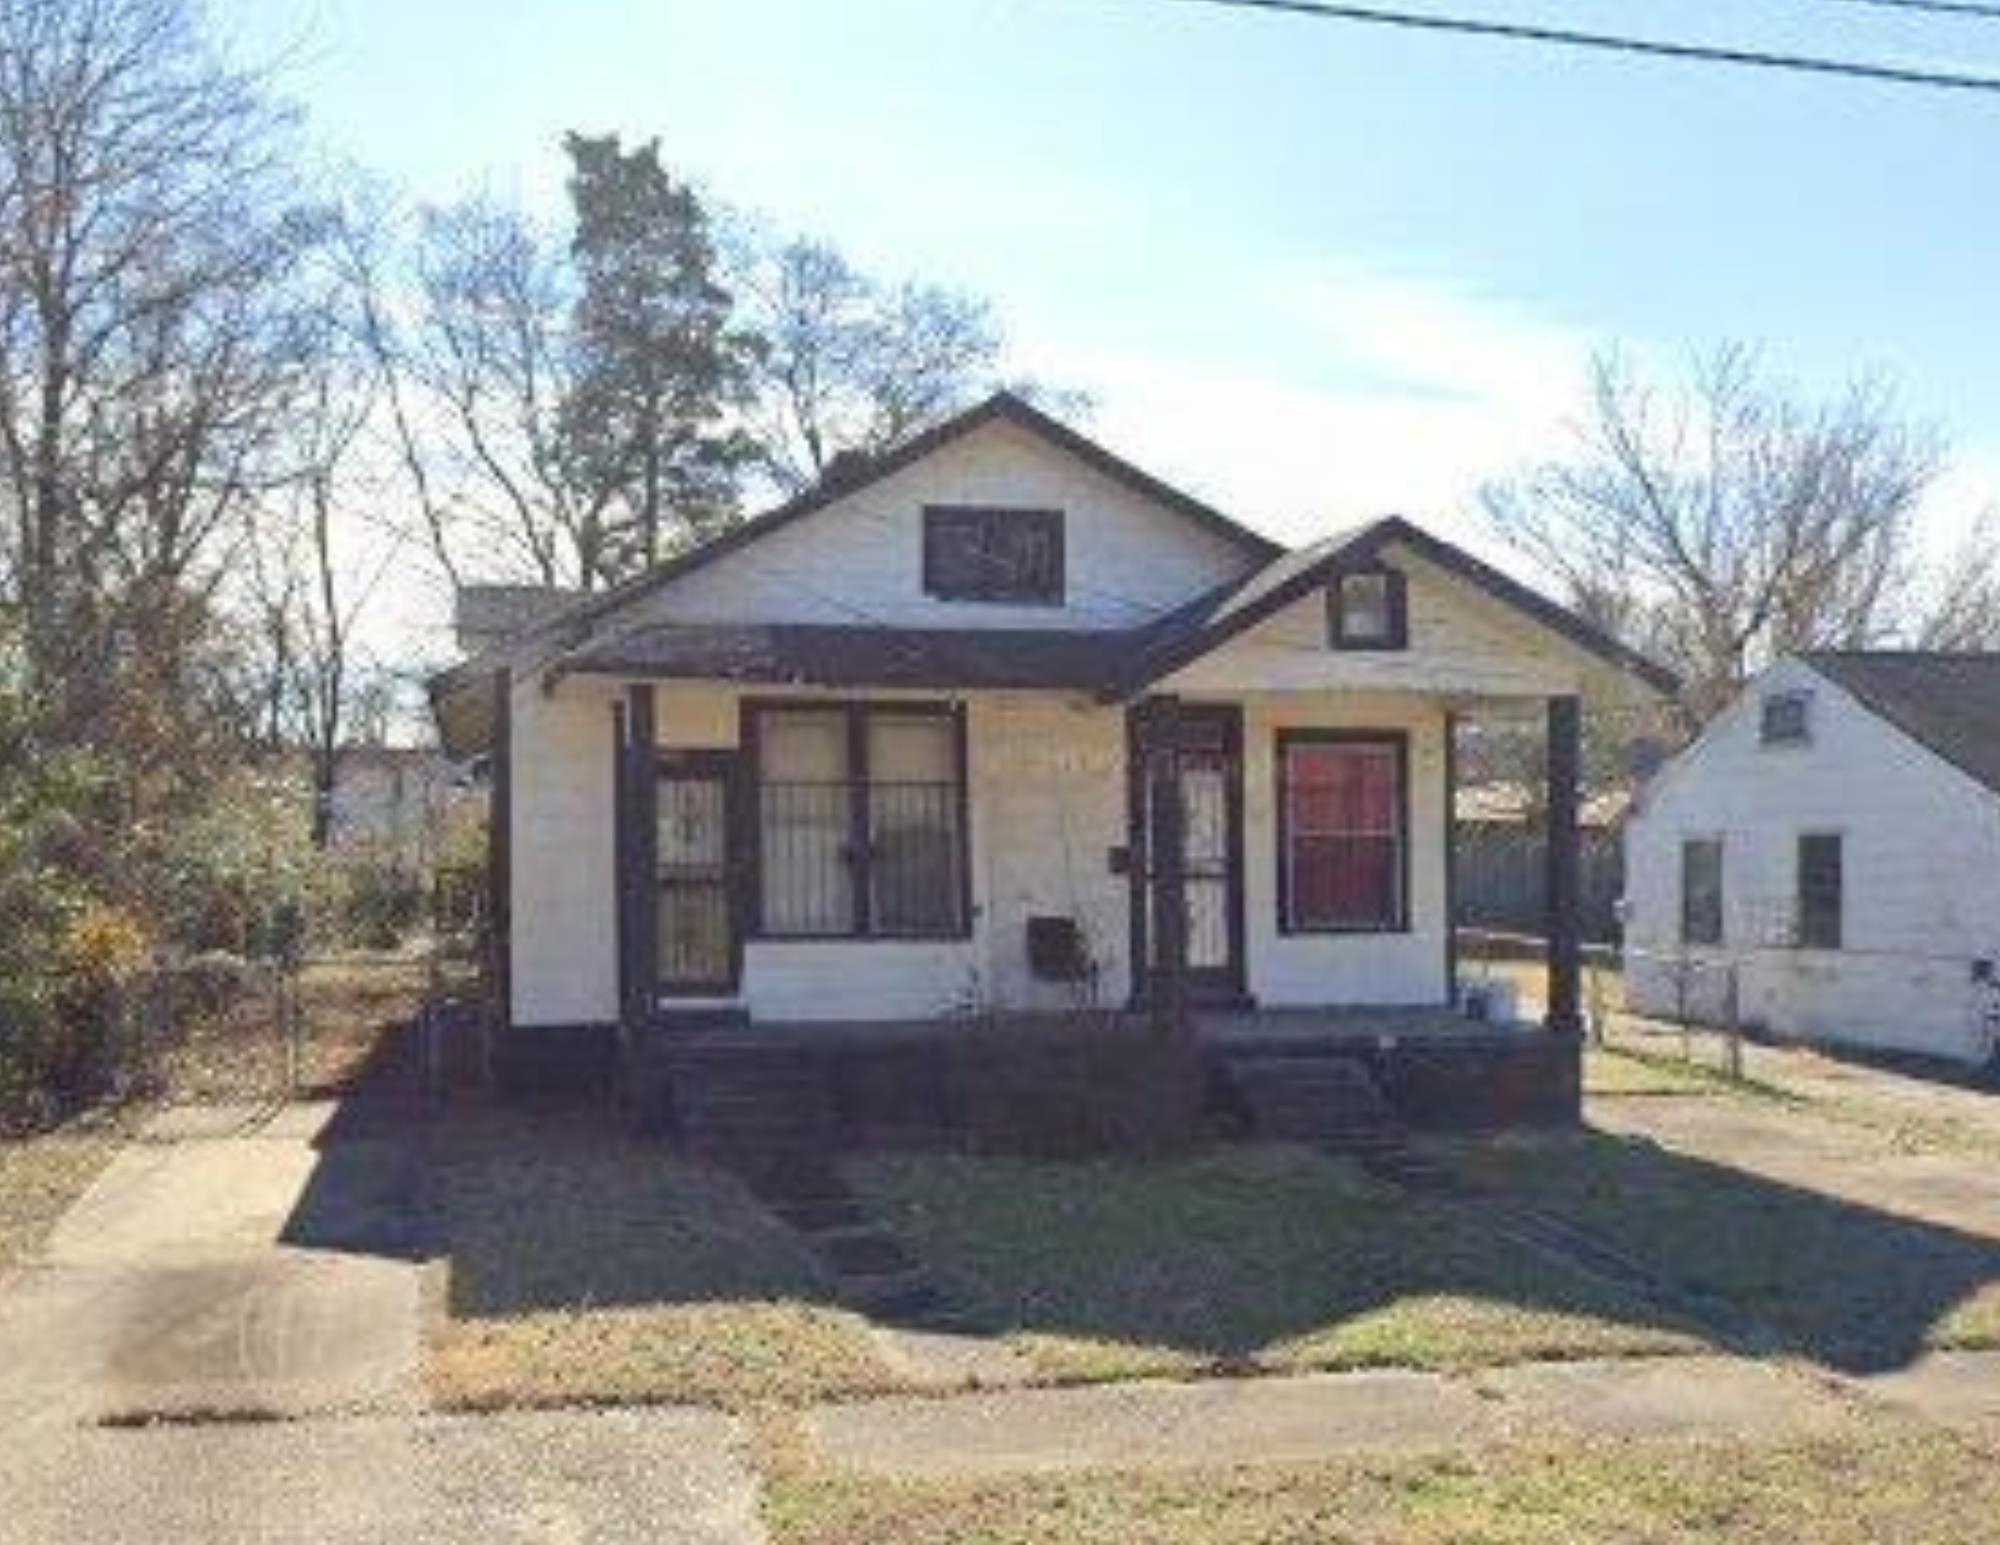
(146, 354)
(489, 350)
(1965, 611)
(1728, 521)
(850, 364)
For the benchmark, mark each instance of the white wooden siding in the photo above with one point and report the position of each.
(1461, 643)
(860, 559)
(1047, 798)
(565, 924)
(1359, 968)
(1920, 882)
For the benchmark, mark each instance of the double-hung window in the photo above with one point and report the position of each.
(1368, 609)
(1342, 818)
(1820, 888)
(1701, 890)
(860, 821)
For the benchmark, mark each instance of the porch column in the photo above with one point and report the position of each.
(1166, 854)
(500, 853)
(1565, 755)
(637, 856)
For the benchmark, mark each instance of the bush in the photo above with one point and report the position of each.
(381, 900)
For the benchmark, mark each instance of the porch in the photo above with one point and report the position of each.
(1072, 1085)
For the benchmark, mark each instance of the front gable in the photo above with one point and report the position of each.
(1124, 555)
(1454, 639)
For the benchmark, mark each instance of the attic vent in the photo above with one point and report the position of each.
(1786, 719)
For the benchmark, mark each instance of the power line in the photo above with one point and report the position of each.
(1703, 53)
(1962, 8)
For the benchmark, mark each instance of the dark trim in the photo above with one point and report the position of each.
(1360, 548)
(962, 744)
(1230, 983)
(1451, 721)
(642, 853)
(1282, 742)
(857, 711)
(703, 765)
(500, 848)
(622, 867)
(1003, 407)
(937, 518)
(1398, 586)
(1564, 931)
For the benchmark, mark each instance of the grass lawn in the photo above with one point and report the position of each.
(1839, 1282)
(40, 1177)
(587, 1266)
(1913, 1488)
(1612, 1074)
(1241, 1259)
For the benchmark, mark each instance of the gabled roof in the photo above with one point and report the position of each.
(1223, 614)
(1948, 703)
(1001, 407)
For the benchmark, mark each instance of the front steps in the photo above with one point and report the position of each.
(1329, 1102)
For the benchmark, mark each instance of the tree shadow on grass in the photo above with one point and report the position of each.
(1248, 1254)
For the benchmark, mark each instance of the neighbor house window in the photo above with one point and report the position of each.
(1701, 890)
(1787, 719)
(1367, 610)
(1342, 817)
(987, 553)
(860, 821)
(1820, 886)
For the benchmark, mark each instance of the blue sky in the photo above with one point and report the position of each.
(1311, 271)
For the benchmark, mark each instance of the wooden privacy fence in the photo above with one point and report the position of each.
(1502, 878)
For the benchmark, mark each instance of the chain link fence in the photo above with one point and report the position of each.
(1698, 1005)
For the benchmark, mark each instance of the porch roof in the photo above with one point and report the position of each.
(1048, 659)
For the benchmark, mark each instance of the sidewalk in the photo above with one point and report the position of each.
(1330, 1416)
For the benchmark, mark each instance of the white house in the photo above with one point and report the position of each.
(895, 751)
(1829, 852)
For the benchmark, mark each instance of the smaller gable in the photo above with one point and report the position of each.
(1296, 576)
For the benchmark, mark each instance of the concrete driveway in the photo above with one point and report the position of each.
(219, 1343)
(226, 1261)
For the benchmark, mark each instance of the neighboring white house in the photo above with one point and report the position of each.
(1829, 851)
(883, 752)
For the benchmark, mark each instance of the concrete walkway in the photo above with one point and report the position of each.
(1333, 1416)
(614, 1478)
(227, 1261)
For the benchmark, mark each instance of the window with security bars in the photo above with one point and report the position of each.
(1343, 814)
(860, 823)
(993, 553)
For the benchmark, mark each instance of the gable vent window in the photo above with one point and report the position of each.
(993, 553)
(1368, 610)
(1787, 719)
